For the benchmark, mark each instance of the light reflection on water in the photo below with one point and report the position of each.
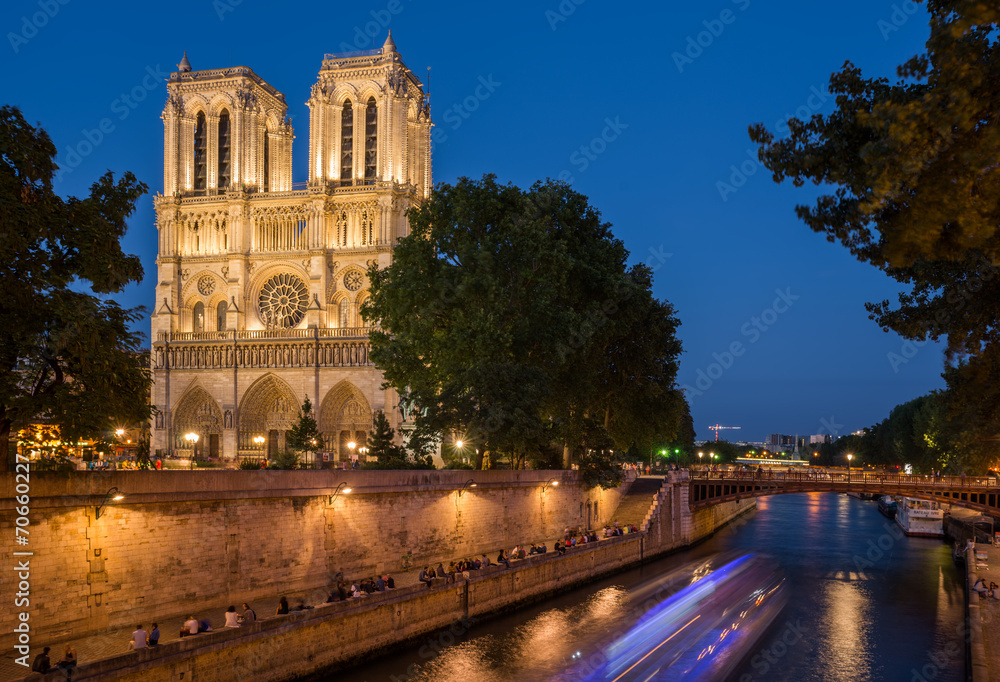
(863, 614)
(535, 650)
(847, 654)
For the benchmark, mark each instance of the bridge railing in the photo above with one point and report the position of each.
(860, 478)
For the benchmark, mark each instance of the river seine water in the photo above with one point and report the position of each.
(865, 603)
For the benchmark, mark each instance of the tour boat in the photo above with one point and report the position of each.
(922, 518)
(701, 632)
(887, 506)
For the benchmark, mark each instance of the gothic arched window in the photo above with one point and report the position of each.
(347, 144)
(220, 316)
(200, 149)
(267, 163)
(198, 318)
(224, 148)
(371, 140)
(345, 310)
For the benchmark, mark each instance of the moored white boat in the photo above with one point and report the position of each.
(922, 518)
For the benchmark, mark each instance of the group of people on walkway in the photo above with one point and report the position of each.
(992, 592)
(359, 588)
(462, 566)
(43, 664)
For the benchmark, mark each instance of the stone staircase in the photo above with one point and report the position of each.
(639, 503)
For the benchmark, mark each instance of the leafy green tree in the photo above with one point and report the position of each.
(634, 361)
(420, 447)
(915, 193)
(381, 441)
(510, 316)
(283, 459)
(68, 355)
(304, 436)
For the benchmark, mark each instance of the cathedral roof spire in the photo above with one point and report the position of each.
(185, 65)
(389, 45)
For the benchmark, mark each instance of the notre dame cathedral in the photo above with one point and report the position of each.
(259, 281)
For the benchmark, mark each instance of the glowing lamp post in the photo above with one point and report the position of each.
(849, 458)
(351, 446)
(192, 440)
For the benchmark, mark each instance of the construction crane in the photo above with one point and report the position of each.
(719, 427)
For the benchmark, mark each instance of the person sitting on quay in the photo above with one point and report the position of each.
(154, 635)
(390, 584)
(502, 559)
(204, 625)
(485, 561)
(560, 548)
(425, 576)
(542, 549)
(994, 591)
(282, 607)
(232, 618)
(139, 638)
(380, 584)
(249, 615)
(190, 627)
(41, 664)
(68, 661)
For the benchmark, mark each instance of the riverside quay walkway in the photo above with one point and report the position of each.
(709, 488)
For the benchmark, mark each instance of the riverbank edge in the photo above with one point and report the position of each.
(975, 646)
(293, 646)
(322, 675)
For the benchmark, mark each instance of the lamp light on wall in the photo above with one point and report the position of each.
(551, 482)
(471, 483)
(342, 488)
(113, 495)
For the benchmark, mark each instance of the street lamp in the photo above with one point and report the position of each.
(351, 446)
(849, 458)
(342, 488)
(700, 455)
(551, 482)
(471, 483)
(192, 439)
(112, 495)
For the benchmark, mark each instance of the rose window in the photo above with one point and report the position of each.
(282, 301)
(352, 280)
(206, 285)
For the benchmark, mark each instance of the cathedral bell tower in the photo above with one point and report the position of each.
(260, 283)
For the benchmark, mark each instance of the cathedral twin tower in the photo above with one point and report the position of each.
(259, 282)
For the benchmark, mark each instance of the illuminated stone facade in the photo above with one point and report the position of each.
(259, 281)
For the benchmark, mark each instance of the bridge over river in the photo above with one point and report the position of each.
(708, 488)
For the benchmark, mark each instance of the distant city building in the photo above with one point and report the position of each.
(777, 440)
(818, 439)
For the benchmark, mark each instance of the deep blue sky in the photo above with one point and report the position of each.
(558, 78)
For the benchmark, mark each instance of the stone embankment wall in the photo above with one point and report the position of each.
(286, 647)
(181, 538)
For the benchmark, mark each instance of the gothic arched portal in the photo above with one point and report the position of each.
(198, 413)
(344, 417)
(268, 409)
